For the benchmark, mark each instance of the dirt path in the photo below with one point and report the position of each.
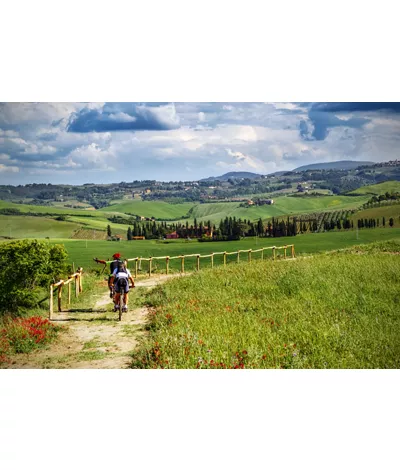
(93, 339)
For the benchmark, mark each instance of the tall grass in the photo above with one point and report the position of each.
(331, 311)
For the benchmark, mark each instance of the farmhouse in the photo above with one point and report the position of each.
(172, 235)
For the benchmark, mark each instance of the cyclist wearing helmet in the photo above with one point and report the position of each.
(113, 265)
(120, 279)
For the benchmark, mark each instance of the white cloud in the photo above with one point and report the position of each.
(242, 162)
(8, 169)
(92, 156)
(247, 136)
(121, 117)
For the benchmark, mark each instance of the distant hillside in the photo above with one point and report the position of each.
(339, 165)
(233, 175)
(377, 189)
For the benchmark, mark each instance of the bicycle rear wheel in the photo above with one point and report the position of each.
(121, 306)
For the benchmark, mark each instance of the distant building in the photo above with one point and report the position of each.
(138, 238)
(262, 202)
(172, 235)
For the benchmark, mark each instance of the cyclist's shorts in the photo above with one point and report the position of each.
(121, 286)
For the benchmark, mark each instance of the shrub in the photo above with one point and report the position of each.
(26, 267)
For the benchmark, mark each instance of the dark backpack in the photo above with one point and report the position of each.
(114, 266)
(121, 267)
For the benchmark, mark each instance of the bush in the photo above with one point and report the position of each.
(26, 268)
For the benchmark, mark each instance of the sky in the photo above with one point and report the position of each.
(76, 143)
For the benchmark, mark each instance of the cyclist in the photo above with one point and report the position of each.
(120, 280)
(113, 265)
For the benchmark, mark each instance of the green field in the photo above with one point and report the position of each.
(392, 210)
(35, 227)
(329, 311)
(98, 219)
(82, 252)
(156, 209)
(282, 206)
(381, 188)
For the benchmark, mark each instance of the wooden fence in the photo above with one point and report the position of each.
(58, 286)
(198, 257)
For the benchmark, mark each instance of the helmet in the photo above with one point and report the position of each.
(116, 256)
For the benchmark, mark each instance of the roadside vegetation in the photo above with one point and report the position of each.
(336, 310)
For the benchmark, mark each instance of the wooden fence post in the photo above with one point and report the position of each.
(51, 302)
(136, 267)
(273, 253)
(59, 297)
(293, 255)
(69, 290)
(80, 280)
(166, 264)
(224, 258)
(212, 260)
(150, 263)
(262, 254)
(284, 252)
(238, 256)
(198, 262)
(182, 264)
(249, 256)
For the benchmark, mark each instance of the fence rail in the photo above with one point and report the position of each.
(58, 286)
(138, 260)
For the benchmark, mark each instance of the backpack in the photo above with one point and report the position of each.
(121, 267)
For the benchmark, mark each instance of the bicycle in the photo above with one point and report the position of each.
(120, 309)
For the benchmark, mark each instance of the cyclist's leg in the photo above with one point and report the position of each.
(125, 292)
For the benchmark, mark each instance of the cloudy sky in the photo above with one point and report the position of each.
(110, 142)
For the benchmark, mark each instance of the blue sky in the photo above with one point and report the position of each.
(77, 143)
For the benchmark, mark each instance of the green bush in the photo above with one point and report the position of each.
(26, 268)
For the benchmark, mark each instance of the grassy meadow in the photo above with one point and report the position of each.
(392, 210)
(337, 310)
(377, 189)
(283, 205)
(35, 227)
(156, 209)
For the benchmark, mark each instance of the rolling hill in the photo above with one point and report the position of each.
(338, 165)
(377, 189)
(233, 175)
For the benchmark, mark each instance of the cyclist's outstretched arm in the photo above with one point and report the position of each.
(101, 261)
